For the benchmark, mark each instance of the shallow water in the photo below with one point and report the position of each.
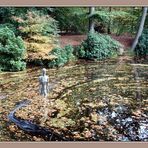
(101, 101)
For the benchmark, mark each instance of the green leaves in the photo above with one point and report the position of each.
(141, 49)
(12, 51)
(97, 46)
(120, 21)
(71, 19)
(63, 55)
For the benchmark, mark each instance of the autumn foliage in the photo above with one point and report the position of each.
(40, 34)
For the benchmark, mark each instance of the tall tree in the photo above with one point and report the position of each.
(141, 26)
(91, 21)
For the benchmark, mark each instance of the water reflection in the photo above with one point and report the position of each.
(93, 101)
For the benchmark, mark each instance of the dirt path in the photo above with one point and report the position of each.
(77, 39)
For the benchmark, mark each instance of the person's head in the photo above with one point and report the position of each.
(44, 71)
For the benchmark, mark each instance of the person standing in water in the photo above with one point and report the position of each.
(43, 82)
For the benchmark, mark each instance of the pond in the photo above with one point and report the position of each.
(88, 101)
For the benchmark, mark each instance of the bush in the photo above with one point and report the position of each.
(12, 50)
(63, 56)
(97, 46)
(10, 26)
(141, 49)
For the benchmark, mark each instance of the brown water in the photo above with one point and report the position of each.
(82, 98)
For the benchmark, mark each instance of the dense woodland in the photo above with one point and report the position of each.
(31, 35)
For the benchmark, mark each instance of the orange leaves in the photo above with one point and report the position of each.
(37, 51)
(12, 128)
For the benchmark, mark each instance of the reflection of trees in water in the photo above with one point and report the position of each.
(98, 82)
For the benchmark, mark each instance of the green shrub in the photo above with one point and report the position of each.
(10, 26)
(12, 50)
(141, 49)
(97, 46)
(63, 56)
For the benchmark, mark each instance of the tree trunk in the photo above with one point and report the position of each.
(109, 23)
(91, 21)
(140, 29)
